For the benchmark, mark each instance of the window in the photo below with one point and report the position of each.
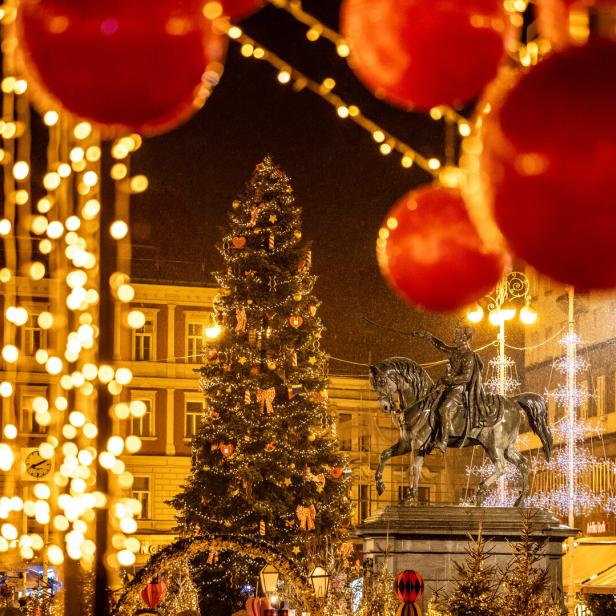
(403, 492)
(364, 442)
(144, 426)
(344, 431)
(423, 495)
(600, 394)
(29, 425)
(33, 336)
(141, 492)
(193, 411)
(364, 502)
(194, 342)
(582, 411)
(144, 338)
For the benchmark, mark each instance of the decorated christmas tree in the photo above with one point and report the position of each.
(265, 459)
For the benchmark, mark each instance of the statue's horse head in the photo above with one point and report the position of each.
(398, 383)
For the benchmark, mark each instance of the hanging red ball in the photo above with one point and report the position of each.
(409, 586)
(154, 592)
(423, 53)
(431, 254)
(238, 9)
(549, 156)
(126, 65)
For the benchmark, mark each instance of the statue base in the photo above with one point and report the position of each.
(431, 539)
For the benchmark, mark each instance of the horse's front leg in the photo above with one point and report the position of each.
(398, 449)
(418, 461)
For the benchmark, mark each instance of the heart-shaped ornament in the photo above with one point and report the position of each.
(238, 241)
(295, 321)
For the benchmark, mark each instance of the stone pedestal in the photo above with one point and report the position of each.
(431, 539)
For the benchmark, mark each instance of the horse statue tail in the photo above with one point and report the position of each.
(537, 412)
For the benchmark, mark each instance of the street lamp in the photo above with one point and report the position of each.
(268, 577)
(501, 308)
(320, 582)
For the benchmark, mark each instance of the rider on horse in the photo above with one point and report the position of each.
(462, 388)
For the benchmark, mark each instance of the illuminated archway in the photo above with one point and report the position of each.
(188, 547)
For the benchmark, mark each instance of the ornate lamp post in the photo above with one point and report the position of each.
(268, 576)
(320, 582)
(501, 308)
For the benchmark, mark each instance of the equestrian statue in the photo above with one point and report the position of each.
(455, 412)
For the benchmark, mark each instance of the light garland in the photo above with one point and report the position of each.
(388, 143)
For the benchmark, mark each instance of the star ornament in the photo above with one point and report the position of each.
(287, 481)
(296, 550)
(273, 218)
(312, 360)
(242, 360)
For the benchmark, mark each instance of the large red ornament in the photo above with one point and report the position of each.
(154, 592)
(409, 586)
(127, 65)
(408, 609)
(422, 53)
(237, 9)
(432, 255)
(549, 157)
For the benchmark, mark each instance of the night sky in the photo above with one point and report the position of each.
(342, 181)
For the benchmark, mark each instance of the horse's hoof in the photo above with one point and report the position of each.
(409, 501)
(380, 487)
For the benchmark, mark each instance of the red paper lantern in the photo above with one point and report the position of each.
(408, 609)
(237, 9)
(154, 592)
(253, 606)
(127, 65)
(549, 156)
(431, 254)
(553, 17)
(409, 586)
(422, 53)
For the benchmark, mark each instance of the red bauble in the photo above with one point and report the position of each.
(408, 609)
(549, 156)
(409, 586)
(422, 53)
(553, 17)
(237, 9)
(127, 65)
(432, 255)
(154, 592)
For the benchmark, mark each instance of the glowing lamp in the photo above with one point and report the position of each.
(475, 315)
(320, 582)
(495, 317)
(213, 331)
(507, 312)
(528, 315)
(269, 578)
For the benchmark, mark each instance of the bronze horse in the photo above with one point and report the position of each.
(403, 387)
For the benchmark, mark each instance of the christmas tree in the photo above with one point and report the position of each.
(265, 459)
(475, 588)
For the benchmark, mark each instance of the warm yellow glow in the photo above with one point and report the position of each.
(10, 353)
(53, 365)
(5, 226)
(36, 270)
(138, 184)
(136, 319)
(284, 76)
(8, 531)
(213, 331)
(51, 180)
(126, 558)
(51, 118)
(42, 491)
(132, 444)
(343, 49)
(55, 555)
(125, 293)
(528, 315)
(434, 164)
(464, 128)
(507, 312)
(7, 458)
(475, 315)
(21, 169)
(91, 209)
(55, 229)
(6, 389)
(90, 178)
(10, 431)
(118, 229)
(124, 376)
(121, 410)
(46, 450)
(118, 171)
(212, 9)
(343, 111)
(234, 32)
(83, 130)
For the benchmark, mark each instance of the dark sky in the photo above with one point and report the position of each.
(342, 181)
